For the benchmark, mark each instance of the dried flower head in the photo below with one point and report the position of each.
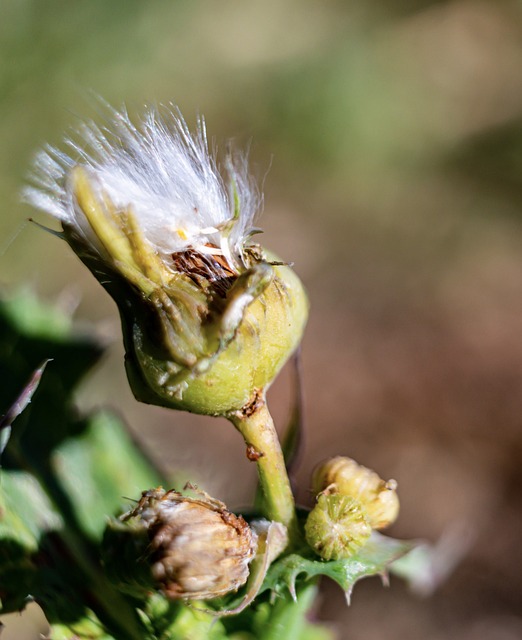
(208, 319)
(195, 548)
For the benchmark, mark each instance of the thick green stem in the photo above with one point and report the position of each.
(257, 428)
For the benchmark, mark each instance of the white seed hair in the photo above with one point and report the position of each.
(160, 170)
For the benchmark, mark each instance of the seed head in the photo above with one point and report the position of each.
(208, 318)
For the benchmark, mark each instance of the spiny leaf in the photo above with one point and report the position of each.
(374, 558)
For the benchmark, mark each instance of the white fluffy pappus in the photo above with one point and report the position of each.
(161, 171)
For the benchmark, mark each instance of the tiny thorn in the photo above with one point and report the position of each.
(253, 454)
(291, 588)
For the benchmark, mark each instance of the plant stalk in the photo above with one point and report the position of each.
(257, 428)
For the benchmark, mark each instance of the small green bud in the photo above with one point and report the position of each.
(208, 318)
(337, 527)
(345, 477)
(188, 548)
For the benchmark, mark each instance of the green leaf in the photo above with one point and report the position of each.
(374, 558)
(32, 558)
(32, 318)
(280, 617)
(26, 510)
(167, 620)
(287, 618)
(100, 469)
(88, 628)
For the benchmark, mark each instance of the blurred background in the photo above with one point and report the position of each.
(388, 139)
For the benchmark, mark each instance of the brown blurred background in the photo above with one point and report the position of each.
(388, 135)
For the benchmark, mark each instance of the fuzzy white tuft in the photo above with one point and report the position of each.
(164, 173)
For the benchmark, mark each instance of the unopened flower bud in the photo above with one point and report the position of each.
(337, 527)
(189, 548)
(345, 477)
(208, 319)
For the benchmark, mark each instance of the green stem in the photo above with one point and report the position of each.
(257, 428)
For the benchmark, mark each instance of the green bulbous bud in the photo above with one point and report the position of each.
(345, 476)
(337, 527)
(242, 351)
(188, 548)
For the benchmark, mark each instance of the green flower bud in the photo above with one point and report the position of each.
(337, 527)
(344, 476)
(188, 548)
(208, 319)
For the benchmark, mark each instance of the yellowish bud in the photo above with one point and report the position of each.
(344, 476)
